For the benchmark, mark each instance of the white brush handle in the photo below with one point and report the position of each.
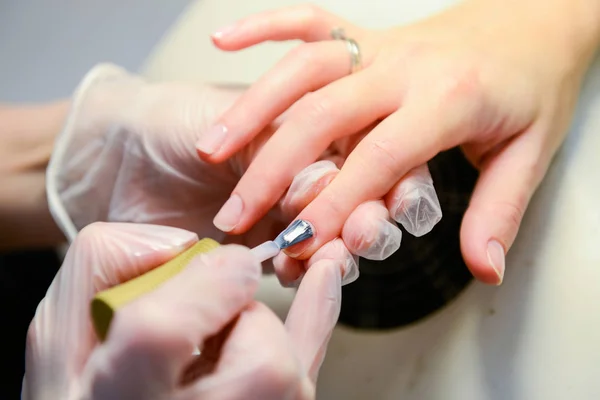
(266, 250)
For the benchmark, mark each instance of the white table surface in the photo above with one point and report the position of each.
(535, 337)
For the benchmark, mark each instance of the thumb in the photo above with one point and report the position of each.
(315, 312)
(505, 185)
(152, 338)
(102, 255)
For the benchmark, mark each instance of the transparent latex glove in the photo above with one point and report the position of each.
(127, 154)
(369, 232)
(246, 351)
(500, 79)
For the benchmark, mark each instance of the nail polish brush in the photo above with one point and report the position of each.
(297, 232)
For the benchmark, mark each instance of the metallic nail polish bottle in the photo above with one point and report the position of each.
(426, 273)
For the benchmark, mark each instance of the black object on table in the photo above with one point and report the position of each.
(426, 273)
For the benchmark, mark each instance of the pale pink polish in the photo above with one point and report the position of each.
(212, 140)
(496, 258)
(230, 214)
(224, 31)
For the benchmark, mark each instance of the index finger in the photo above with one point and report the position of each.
(404, 140)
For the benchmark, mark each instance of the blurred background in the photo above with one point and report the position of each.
(46, 46)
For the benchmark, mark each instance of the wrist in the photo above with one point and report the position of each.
(575, 24)
(566, 33)
(28, 134)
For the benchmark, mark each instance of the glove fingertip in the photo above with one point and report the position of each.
(418, 210)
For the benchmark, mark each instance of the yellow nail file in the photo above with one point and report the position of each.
(106, 303)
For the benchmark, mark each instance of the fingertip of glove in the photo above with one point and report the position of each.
(418, 210)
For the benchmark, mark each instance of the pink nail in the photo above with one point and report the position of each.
(212, 140)
(496, 258)
(230, 214)
(222, 32)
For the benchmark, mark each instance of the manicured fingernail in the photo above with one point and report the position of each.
(212, 140)
(495, 254)
(224, 31)
(419, 211)
(229, 215)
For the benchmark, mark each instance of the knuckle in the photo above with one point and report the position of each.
(380, 153)
(512, 214)
(316, 109)
(461, 95)
(505, 216)
(333, 204)
(145, 330)
(303, 54)
(307, 58)
(272, 177)
(311, 12)
(142, 324)
(462, 84)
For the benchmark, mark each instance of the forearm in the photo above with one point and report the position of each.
(577, 23)
(27, 136)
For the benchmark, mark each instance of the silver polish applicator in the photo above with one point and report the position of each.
(297, 232)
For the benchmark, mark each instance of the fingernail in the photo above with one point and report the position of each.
(212, 140)
(419, 211)
(224, 31)
(229, 215)
(495, 254)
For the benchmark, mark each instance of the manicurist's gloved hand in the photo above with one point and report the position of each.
(246, 351)
(127, 153)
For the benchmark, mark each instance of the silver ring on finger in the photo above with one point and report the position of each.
(352, 46)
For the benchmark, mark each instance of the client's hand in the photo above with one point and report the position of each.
(246, 351)
(127, 154)
(499, 78)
